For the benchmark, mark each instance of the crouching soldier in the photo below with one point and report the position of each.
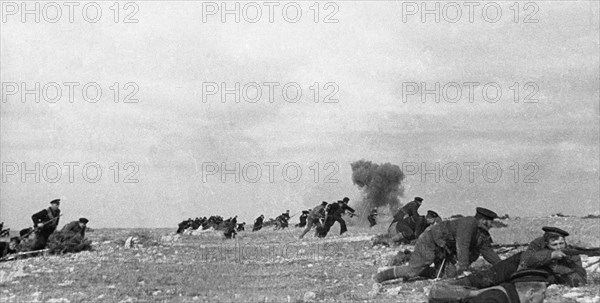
(45, 223)
(71, 238)
(442, 243)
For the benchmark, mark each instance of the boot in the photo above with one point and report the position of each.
(385, 275)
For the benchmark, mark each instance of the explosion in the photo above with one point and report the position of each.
(381, 185)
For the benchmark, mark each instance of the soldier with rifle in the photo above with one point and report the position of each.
(71, 238)
(549, 253)
(334, 214)
(45, 223)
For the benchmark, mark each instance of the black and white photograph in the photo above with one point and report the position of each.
(300, 151)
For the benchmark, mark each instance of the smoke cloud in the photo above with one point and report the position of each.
(381, 185)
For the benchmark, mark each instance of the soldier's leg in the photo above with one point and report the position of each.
(309, 225)
(496, 275)
(343, 227)
(420, 260)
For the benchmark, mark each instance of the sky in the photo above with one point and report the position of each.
(178, 148)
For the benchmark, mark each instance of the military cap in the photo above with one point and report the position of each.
(346, 199)
(432, 214)
(83, 220)
(555, 230)
(530, 275)
(55, 201)
(24, 231)
(324, 203)
(418, 199)
(485, 213)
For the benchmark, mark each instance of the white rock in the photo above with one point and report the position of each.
(309, 296)
(573, 294)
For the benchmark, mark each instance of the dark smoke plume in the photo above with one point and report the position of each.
(381, 185)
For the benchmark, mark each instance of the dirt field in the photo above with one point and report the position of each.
(264, 266)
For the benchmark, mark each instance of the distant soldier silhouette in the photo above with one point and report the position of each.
(258, 223)
(372, 216)
(303, 218)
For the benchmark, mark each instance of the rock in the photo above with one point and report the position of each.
(572, 294)
(309, 296)
(588, 299)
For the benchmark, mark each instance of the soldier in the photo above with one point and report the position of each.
(409, 210)
(241, 227)
(407, 230)
(183, 225)
(258, 223)
(303, 217)
(230, 232)
(282, 220)
(45, 221)
(313, 217)
(410, 228)
(548, 253)
(334, 214)
(11, 247)
(372, 217)
(71, 238)
(445, 241)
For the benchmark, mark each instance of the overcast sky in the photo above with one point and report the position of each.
(172, 139)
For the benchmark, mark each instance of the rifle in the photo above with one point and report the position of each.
(570, 250)
(38, 228)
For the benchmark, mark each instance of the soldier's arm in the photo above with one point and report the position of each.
(532, 258)
(39, 217)
(465, 231)
(490, 255)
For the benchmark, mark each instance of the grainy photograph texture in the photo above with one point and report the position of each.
(300, 151)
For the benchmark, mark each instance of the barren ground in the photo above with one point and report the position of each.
(264, 266)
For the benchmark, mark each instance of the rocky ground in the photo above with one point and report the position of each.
(264, 266)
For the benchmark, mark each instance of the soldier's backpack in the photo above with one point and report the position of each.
(444, 293)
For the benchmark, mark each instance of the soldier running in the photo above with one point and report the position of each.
(313, 217)
(258, 223)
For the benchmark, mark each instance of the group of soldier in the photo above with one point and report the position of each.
(451, 246)
(44, 234)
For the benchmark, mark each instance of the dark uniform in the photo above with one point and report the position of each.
(334, 214)
(533, 291)
(372, 216)
(507, 292)
(258, 223)
(409, 210)
(303, 218)
(567, 271)
(71, 238)
(314, 217)
(448, 240)
(43, 233)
